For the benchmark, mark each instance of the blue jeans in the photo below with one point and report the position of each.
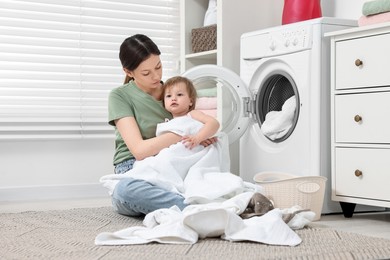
(133, 197)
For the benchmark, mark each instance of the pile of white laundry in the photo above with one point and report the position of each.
(172, 226)
(217, 198)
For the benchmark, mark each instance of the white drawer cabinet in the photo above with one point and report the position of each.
(373, 52)
(360, 119)
(364, 173)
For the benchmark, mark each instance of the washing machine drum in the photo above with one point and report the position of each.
(236, 106)
(277, 107)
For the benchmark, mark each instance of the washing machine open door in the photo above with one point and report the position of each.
(231, 95)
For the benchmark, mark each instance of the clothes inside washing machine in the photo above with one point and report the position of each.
(278, 107)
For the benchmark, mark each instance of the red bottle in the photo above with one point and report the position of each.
(300, 10)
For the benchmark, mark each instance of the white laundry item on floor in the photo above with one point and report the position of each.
(219, 219)
(278, 123)
(301, 219)
(164, 226)
(267, 229)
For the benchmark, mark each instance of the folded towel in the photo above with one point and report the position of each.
(277, 123)
(210, 112)
(374, 19)
(376, 7)
(206, 103)
(207, 92)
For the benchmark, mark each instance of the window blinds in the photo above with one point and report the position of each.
(59, 60)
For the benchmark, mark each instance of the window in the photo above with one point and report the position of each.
(59, 60)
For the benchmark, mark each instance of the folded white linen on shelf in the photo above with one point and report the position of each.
(210, 112)
(374, 19)
(206, 103)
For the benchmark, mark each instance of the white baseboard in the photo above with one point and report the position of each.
(91, 190)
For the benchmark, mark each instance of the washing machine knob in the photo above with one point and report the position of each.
(272, 46)
(295, 42)
(287, 43)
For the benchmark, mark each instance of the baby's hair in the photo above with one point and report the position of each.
(189, 87)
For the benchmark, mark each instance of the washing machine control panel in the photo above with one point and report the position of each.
(290, 40)
(282, 40)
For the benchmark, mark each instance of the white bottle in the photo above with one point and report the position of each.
(210, 17)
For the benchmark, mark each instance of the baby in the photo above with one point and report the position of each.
(179, 98)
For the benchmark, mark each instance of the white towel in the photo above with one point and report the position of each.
(277, 123)
(201, 174)
(195, 222)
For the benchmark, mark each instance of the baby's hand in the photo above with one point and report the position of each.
(190, 141)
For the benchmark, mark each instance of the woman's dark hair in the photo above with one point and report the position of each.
(135, 50)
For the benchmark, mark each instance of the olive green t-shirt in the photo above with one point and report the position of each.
(130, 101)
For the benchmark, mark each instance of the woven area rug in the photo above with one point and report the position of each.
(70, 234)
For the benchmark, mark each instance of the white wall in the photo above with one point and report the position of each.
(348, 9)
(39, 170)
(71, 169)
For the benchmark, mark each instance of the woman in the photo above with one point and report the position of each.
(135, 109)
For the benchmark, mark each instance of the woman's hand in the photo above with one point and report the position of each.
(192, 141)
(209, 141)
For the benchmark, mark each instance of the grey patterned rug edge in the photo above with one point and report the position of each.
(70, 234)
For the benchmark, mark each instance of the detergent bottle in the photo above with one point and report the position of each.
(300, 10)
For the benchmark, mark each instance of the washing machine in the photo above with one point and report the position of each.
(284, 84)
(291, 64)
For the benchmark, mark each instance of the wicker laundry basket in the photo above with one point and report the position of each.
(287, 190)
(204, 38)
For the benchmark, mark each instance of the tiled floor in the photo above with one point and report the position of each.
(375, 224)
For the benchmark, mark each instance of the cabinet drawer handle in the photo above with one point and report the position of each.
(357, 118)
(358, 62)
(358, 173)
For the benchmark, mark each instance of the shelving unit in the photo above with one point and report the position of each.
(192, 16)
(233, 19)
